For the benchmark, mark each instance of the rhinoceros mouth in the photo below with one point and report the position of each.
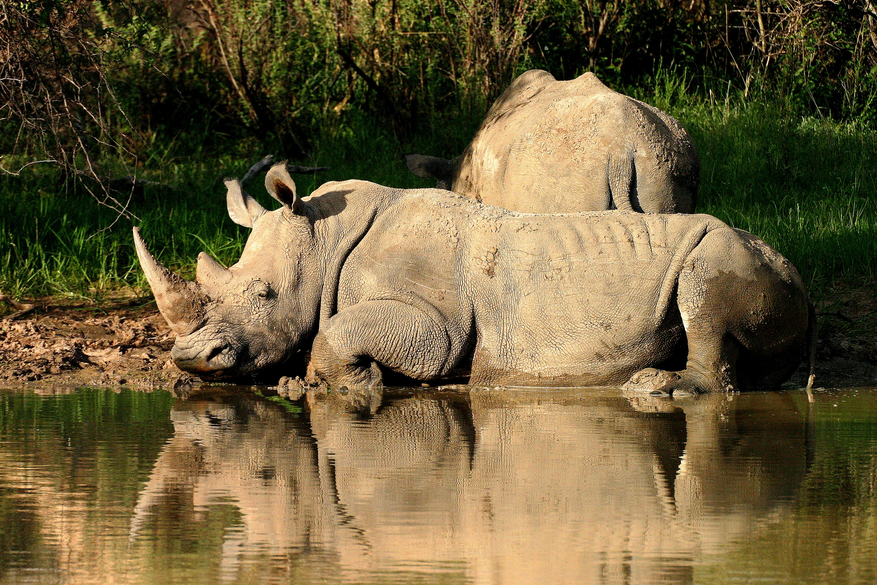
(215, 358)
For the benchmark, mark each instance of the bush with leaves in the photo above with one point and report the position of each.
(86, 81)
(57, 105)
(825, 53)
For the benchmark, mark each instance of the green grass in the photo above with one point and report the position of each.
(56, 243)
(805, 185)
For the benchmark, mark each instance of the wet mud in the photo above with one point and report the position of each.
(126, 343)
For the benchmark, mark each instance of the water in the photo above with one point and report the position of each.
(475, 486)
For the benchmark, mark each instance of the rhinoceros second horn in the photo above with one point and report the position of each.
(209, 273)
(179, 301)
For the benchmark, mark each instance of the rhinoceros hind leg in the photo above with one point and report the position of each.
(745, 312)
(662, 384)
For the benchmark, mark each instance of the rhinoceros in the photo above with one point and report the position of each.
(549, 146)
(434, 286)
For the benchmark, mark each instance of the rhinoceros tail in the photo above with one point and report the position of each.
(812, 330)
(621, 183)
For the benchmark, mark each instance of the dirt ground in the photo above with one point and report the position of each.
(125, 342)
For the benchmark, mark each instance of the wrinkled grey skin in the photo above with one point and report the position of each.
(434, 286)
(549, 146)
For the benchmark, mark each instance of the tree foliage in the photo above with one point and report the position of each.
(84, 80)
(57, 99)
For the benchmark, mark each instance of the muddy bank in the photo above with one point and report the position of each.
(126, 342)
(123, 343)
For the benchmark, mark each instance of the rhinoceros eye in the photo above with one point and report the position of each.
(261, 289)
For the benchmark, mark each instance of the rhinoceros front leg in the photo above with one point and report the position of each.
(390, 334)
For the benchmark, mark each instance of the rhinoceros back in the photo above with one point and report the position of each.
(532, 289)
(544, 284)
(550, 146)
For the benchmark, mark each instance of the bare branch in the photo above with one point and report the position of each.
(266, 162)
(22, 308)
(34, 162)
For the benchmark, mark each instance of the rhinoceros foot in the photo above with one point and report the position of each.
(652, 381)
(341, 373)
(662, 384)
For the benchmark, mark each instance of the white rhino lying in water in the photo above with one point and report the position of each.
(549, 146)
(434, 286)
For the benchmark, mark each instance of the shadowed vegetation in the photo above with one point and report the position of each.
(145, 106)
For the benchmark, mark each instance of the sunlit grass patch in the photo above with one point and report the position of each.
(805, 185)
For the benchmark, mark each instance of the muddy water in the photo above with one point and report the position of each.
(471, 486)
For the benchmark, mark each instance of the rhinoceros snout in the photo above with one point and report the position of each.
(212, 357)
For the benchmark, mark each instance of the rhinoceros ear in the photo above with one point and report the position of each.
(440, 169)
(242, 209)
(281, 187)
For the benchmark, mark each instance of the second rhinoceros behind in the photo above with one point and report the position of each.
(548, 146)
(434, 286)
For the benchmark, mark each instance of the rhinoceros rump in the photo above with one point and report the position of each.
(549, 146)
(434, 286)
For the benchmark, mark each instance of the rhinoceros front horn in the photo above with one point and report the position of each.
(180, 301)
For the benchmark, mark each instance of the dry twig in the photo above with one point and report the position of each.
(23, 308)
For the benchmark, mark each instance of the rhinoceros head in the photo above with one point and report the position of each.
(257, 313)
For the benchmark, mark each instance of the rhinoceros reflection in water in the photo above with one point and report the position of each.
(501, 487)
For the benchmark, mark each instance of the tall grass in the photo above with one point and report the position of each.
(805, 185)
(57, 243)
(54, 242)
